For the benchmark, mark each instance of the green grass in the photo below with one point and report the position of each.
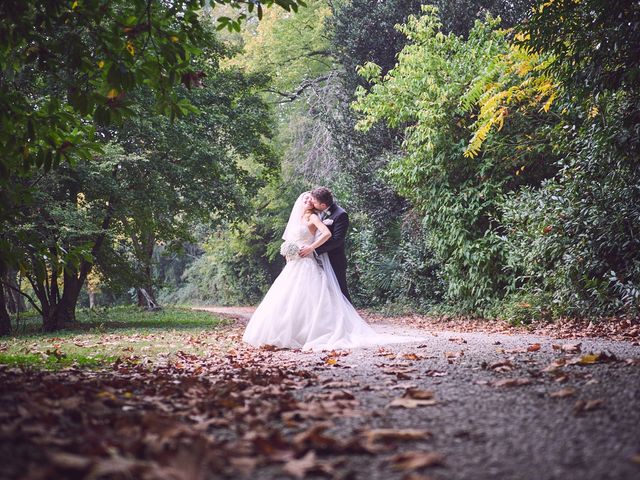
(101, 336)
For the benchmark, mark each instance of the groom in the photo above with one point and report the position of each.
(337, 220)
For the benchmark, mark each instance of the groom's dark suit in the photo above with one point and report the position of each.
(335, 245)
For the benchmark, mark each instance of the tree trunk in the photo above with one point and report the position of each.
(60, 311)
(14, 301)
(147, 300)
(63, 313)
(5, 320)
(146, 294)
(92, 298)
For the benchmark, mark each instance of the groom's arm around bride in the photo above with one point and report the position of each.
(337, 220)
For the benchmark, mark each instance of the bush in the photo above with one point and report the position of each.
(575, 240)
(393, 268)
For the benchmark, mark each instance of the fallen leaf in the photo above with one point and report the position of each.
(411, 356)
(315, 439)
(511, 382)
(418, 394)
(414, 460)
(555, 365)
(534, 347)
(338, 384)
(411, 403)
(503, 366)
(299, 467)
(70, 461)
(563, 393)
(515, 350)
(245, 465)
(338, 353)
(586, 359)
(115, 466)
(376, 435)
(450, 356)
(269, 348)
(587, 405)
(571, 347)
(561, 378)
(416, 476)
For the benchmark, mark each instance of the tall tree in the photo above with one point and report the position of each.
(67, 65)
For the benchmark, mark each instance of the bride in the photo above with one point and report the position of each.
(305, 308)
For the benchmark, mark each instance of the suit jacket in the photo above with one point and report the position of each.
(335, 245)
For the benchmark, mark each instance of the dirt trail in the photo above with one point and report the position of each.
(504, 405)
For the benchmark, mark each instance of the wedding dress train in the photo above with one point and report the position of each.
(304, 308)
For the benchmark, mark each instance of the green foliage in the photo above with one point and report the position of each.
(393, 267)
(459, 16)
(457, 197)
(290, 48)
(574, 240)
(596, 43)
(241, 258)
(71, 72)
(67, 62)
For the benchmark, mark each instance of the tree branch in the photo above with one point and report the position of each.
(31, 301)
(291, 97)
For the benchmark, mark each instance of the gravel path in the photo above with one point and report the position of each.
(506, 407)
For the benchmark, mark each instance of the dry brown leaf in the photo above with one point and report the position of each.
(563, 393)
(418, 394)
(116, 466)
(587, 405)
(338, 353)
(411, 403)
(534, 347)
(70, 461)
(454, 354)
(376, 435)
(416, 476)
(503, 366)
(299, 467)
(561, 378)
(555, 365)
(315, 439)
(511, 382)
(571, 347)
(383, 352)
(329, 383)
(412, 356)
(244, 465)
(414, 460)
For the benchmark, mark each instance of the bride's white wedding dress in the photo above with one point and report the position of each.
(304, 308)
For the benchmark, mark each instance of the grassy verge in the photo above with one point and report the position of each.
(104, 335)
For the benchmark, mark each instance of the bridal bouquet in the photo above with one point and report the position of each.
(289, 250)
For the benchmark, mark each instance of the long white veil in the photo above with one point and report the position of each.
(292, 230)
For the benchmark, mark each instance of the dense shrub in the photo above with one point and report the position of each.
(575, 240)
